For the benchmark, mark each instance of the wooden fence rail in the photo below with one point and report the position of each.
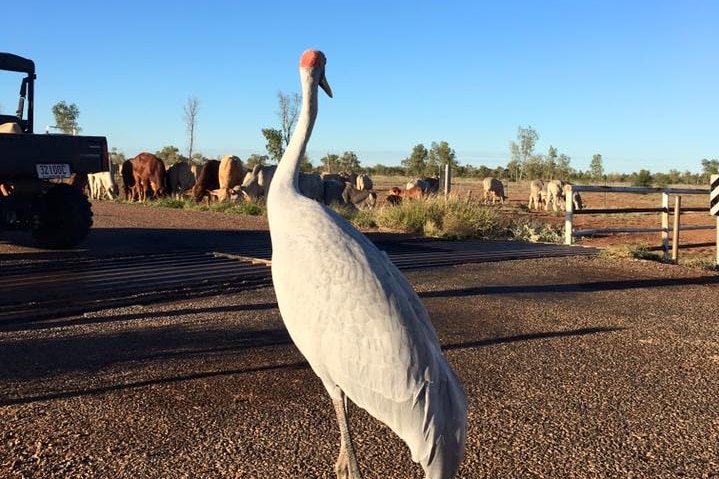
(665, 210)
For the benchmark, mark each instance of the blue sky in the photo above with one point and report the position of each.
(635, 81)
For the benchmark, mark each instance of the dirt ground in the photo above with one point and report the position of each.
(578, 367)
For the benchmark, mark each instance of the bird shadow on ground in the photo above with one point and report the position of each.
(587, 287)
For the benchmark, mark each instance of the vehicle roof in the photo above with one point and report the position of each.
(16, 63)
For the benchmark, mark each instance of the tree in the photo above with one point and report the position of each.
(643, 178)
(416, 163)
(596, 169)
(192, 107)
(564, 171)
(330, 163)
(255, 159)
(289, 110)
(66, 117)
(306, 165)
(440, 155)
(169, 155)
(348, 162)
(551, 162)
(709, 167)
(279, 138)
(534, 167)
(274, 144)
(523, 150)
(116, 157)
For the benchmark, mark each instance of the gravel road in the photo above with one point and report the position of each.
(574, 368)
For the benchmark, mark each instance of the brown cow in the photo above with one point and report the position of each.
(149, 174)
(414, 193)
(207, 181)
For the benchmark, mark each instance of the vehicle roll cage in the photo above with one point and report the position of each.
(15, 63)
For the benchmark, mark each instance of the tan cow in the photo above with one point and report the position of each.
(230, 174)
(11, 127)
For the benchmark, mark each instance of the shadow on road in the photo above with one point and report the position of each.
(588, 287)
(46, 364)
(75, 321)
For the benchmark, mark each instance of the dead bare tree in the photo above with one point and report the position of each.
(192, 107)
(288, 113)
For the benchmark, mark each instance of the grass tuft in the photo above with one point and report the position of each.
(634, 251)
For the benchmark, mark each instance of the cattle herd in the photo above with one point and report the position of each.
(145, 176)
(552, 193)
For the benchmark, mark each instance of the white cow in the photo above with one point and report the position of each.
(536, 194)
(257, 182)
(555, 195)
(102, 182)
(493, 189)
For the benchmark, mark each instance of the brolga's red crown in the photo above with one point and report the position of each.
(311, 59)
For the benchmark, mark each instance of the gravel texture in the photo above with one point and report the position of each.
(574, 368)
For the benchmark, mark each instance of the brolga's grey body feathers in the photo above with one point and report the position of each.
(356, 319)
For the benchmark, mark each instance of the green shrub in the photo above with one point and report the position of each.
(536, 232)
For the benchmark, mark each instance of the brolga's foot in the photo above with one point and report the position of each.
(342, 466)
(344, 469)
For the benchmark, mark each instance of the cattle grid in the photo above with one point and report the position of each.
(72, 286)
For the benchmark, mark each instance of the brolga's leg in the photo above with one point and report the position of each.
(346, 465)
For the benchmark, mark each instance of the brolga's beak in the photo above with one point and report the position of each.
(325, 86)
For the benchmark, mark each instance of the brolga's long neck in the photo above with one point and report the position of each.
(287, 175)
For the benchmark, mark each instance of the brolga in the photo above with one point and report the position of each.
(355, 317)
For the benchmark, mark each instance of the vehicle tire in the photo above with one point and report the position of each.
(64, 217)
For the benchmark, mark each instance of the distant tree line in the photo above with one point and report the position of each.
(524, 162)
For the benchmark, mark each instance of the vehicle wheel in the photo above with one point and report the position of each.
(64, 217)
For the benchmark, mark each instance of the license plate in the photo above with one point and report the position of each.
(53, 170)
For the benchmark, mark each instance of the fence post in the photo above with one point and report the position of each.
(675, 232)
(665, 224)
(447, 179)
(714, 210)
(568, 214)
